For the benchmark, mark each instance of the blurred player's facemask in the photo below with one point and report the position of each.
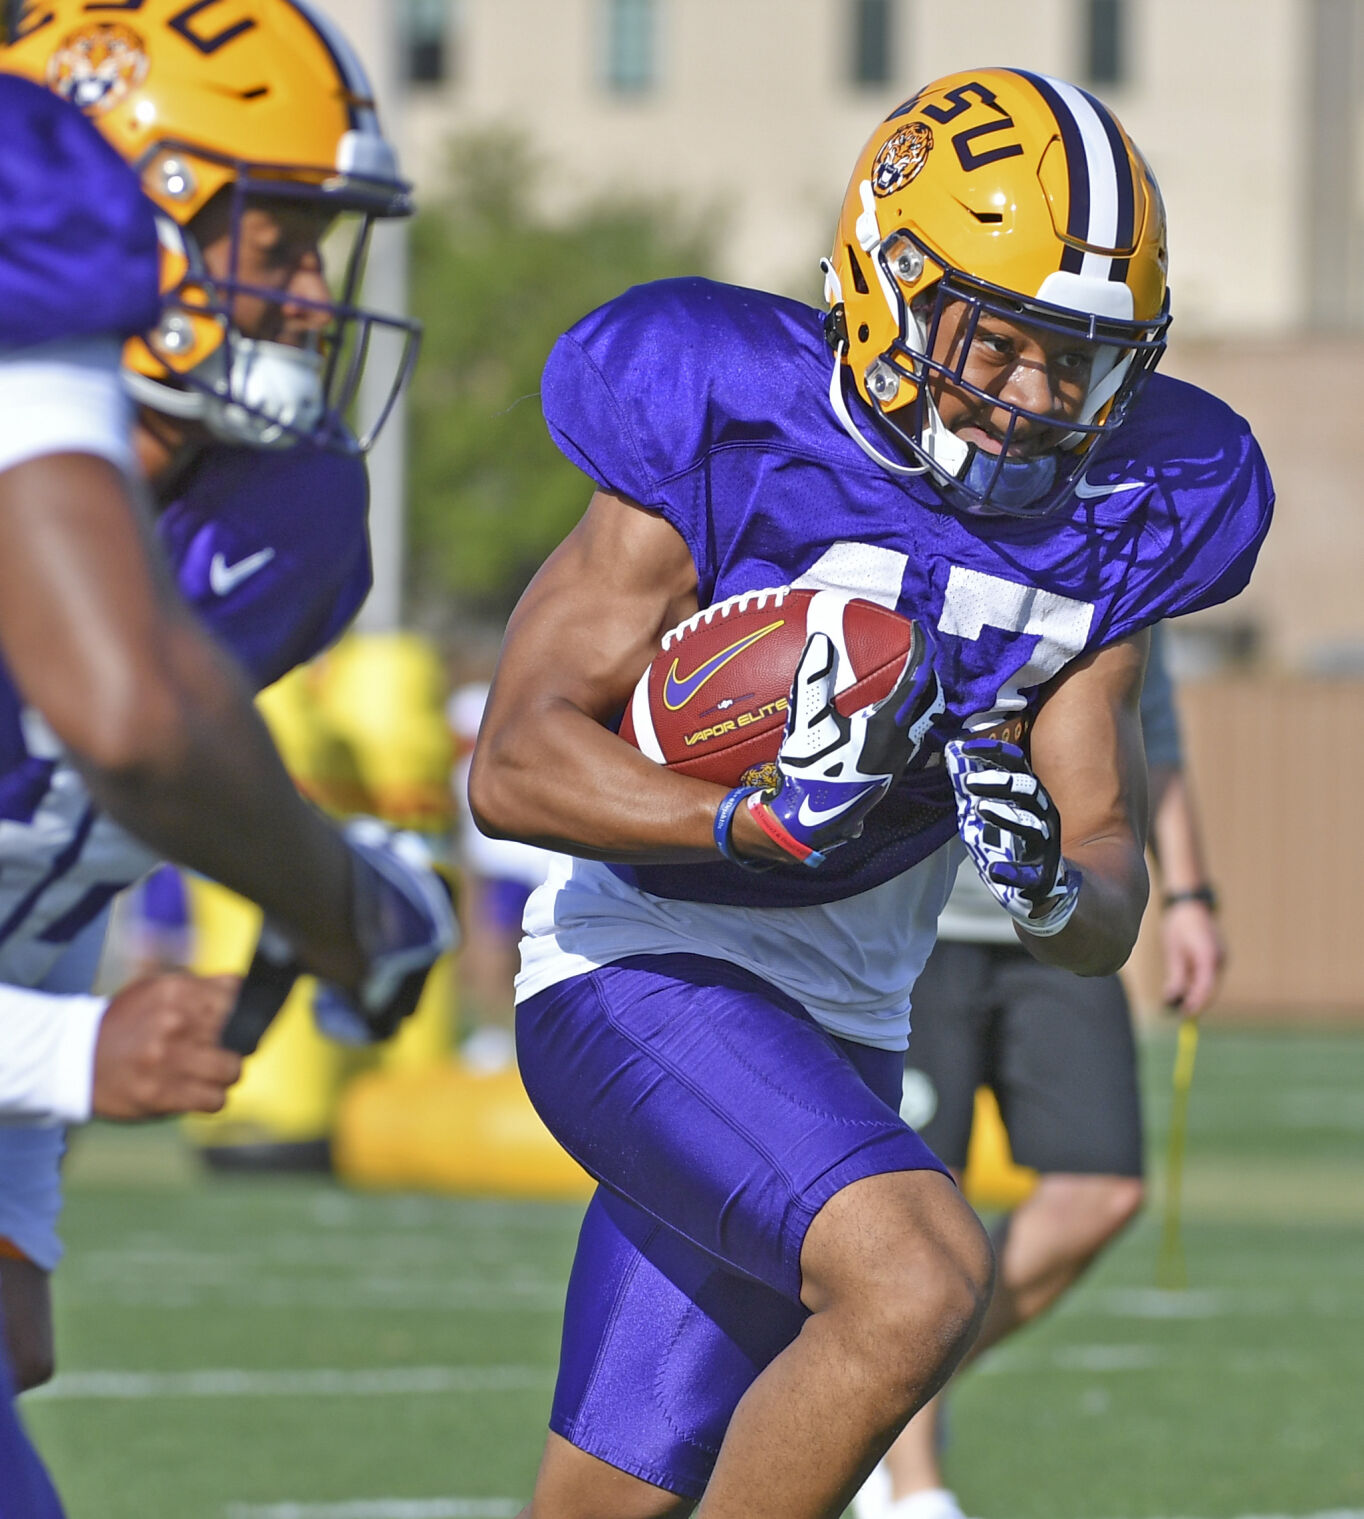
(199, 365)
(232, 105)
(996, 202)
(1115, 354)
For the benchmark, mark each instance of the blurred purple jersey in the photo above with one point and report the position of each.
(78, 249)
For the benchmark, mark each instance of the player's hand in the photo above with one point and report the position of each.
(158, 1050)
(834, 769)
(1194, 956)
(1012, 831)
(404, 922)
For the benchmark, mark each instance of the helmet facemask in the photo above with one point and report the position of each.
(932, 303)
(251, 387)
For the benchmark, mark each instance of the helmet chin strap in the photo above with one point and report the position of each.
(833, 294)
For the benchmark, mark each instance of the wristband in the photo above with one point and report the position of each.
(1204, 894)
(772, 826)
(724, 824)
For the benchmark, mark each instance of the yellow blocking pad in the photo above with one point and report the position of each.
(449, 1129)
(291, 1087)
(992, 1181)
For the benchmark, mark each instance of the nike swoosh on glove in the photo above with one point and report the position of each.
(834, 769)
(1012, 831)
(404, 922)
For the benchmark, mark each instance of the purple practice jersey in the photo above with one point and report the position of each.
(709, 404)
(272, 552)
(78, 248)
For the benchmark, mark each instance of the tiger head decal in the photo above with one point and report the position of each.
(901, 158)
(97, 66)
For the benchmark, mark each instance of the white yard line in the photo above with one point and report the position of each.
(382, 1508)
(397, 1381)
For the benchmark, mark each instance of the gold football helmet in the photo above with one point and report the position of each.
(228, 104)
(995, 194)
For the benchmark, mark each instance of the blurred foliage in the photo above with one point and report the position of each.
(496, 280)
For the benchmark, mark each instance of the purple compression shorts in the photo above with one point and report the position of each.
(718, 1118)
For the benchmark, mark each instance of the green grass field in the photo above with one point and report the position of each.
(281, 1349)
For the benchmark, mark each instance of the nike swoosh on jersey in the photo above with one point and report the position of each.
(225, 577)
(677, 693)
(1086, 490)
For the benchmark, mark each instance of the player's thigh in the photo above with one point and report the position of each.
(713, 1102)
(1066, 1071)
(660, 1343)
(949, 1046)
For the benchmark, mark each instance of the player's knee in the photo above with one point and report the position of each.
(1089, 1211)
(33, 1361)
(1123, 1199)
(922, 1287)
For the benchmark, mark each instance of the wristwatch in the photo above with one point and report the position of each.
(1204, 894)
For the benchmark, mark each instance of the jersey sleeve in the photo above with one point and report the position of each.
(275, 556)
(78, 247)
(1196, 542)
(47, 1055)
(640, 393)
(64, 398)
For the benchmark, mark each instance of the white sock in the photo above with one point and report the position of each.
(927, 1503)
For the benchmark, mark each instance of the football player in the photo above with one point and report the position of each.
(775, 1271)
(253, 135)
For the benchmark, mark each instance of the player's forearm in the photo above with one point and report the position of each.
(203, 784)
(1102, 931)
(1175, 840)
(562, 781)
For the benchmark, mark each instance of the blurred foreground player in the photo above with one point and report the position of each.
(776, 1272)
(261, 507)
(1059, 1055)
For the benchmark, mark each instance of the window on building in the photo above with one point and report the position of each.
(872, 41)
(426, 40)
(631, 45)
(1106, 60)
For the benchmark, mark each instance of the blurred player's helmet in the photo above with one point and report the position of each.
(234, 103)
(1019, 197)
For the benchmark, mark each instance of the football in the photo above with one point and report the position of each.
(713, 702)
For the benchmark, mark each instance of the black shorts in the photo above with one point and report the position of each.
(1056, 1049)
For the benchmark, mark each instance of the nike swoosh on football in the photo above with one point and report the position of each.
(225, 577)
(677, 693)
(1086, 490)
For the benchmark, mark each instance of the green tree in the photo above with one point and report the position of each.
(495, 280)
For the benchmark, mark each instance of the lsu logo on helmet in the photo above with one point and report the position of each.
(902, 158)
(98, 66)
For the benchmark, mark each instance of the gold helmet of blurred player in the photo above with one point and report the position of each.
(222, 105)
(1010, 195)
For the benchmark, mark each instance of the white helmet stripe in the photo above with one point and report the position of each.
(1101, 205)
